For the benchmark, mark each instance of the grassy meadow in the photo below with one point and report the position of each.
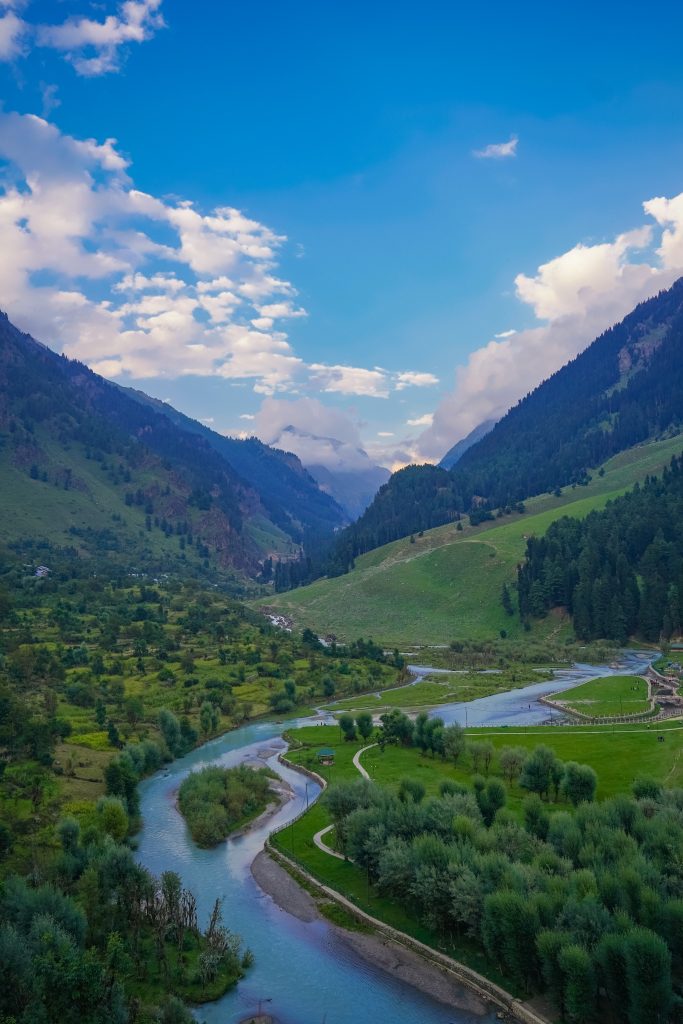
(608, 696)
(445, 584)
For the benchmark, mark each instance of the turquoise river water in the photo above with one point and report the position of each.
(308, 973)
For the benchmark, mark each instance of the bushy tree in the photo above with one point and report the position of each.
(537, 772)
(579, 783)
(347, 727)
(364, 724)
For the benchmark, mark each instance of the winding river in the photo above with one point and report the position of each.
(307, 971)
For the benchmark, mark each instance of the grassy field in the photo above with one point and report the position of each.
(618, 754)
(610, 695)
(446, 584)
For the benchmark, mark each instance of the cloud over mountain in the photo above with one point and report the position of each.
(575, 297)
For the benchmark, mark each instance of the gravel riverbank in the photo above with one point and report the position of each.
(389, 956)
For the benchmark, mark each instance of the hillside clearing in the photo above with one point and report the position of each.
(446, 584)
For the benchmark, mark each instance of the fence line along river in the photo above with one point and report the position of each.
(309, 974)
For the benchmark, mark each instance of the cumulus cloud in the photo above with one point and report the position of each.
(93, 47)
(421, 421)
(575, 297)
(137, 286)
(350, 380)
(498, 150)
(412, 379)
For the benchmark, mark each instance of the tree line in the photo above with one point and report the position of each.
(619, 571)
(99, 922)
(584, 905)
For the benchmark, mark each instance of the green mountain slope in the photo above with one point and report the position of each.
(447, 584)
(624, 389)
(288, 492)
(84, 464)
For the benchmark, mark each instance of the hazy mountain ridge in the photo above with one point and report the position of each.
(454, 454)
(341, 469)
(288, 491)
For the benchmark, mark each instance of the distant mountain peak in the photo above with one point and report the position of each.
(342, 469)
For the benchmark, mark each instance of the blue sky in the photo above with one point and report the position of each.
(350, 130)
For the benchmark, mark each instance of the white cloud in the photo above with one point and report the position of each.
(281, 311)
(137, 286)
(69, 213)
(94, 47)
(575, 297)
(50, 99)
(350, 380)
(585, 277)
(498, 150)
(505, 334)
(247, 416)
(415, 380)
(669, 215)
(421, 421)
(385, 433)
(12, 35)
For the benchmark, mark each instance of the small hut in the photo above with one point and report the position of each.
(326, 756)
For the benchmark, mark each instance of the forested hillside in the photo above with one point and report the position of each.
(618, 571)
(623, 389)
(290, 494)
(83, 462)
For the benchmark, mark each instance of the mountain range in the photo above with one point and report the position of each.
(625, 388)
(89, 464)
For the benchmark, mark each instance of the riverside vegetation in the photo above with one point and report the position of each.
(215, 801)
(104, 676)
(488, 845)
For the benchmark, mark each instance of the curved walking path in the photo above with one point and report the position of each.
(318, 840)
(318, 837)
(356, 759)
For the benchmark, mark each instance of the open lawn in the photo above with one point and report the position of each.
(608, 696)
(446, 584)
(618, 754)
